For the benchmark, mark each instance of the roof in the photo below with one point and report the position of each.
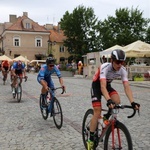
(57, 35)
(18, 25)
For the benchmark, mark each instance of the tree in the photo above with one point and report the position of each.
(80, 28)
(127, 27)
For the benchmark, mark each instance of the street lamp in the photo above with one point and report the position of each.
(50, 43)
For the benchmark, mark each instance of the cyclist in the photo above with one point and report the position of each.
(18, 69)
(5, 69)
(44, 77)
(101, 86)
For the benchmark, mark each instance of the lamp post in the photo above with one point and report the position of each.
(50, 44)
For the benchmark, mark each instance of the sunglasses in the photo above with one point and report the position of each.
(119, 62)
(51, 65)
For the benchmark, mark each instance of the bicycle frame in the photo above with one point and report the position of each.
(112, 121)
(52, 94)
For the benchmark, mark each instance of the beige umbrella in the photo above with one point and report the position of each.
(4, 57)
(21, 58)
(137, 49)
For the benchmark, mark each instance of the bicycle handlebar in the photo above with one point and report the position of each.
(127, 106)
(63, 89)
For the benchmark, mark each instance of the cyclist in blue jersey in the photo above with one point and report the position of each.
(18, 69)
(44, 76)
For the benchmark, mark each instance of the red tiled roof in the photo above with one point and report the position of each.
(57, 35)
(18, 25)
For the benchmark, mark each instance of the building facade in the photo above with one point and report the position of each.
(22, 36)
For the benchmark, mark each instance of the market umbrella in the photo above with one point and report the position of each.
(21, 58)
(137, 49)
(4, 57)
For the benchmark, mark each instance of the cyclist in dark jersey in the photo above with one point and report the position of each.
(101, 86)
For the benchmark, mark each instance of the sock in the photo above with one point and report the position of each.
(91, 136)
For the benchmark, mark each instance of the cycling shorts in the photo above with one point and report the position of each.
(5, 68)
(96, 93)
(19, 73)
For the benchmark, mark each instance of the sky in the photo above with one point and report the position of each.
(51, 11)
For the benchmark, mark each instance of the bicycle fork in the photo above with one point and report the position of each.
(113, 124)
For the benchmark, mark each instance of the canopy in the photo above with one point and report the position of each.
(106, 53)
(4, 57)
(21, 58)
(137, 49)
(37, 61)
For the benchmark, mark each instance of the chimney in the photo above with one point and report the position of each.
(12, 18)
(25, 14)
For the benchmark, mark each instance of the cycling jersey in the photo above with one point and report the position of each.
(5, 65)
(105, 72)
(18, 69)
(45, 74)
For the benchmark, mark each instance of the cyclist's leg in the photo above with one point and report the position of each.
(43, 91)
(114, 96)
(96, 103)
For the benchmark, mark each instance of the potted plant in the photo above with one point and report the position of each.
(138, 77)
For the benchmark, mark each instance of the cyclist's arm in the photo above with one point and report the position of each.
(128, 91)
(61, 81)
(24, 72)
(103, 84)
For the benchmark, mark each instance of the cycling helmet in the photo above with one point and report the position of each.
(118, 54)
(50, 60)
(19, 62)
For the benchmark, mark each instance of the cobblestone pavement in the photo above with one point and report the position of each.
(23, 128)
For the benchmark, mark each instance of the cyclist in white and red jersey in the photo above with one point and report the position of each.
(101, 86)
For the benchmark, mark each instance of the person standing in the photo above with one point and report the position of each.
(80, 66)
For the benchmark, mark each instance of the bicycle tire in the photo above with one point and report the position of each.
(19, 94)
(44, 110)
(86, 129)
(57, 113)
(124, 134)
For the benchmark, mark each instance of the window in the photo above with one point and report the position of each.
(38, 42)
(28, 26)
(61, 49)
(16, 41)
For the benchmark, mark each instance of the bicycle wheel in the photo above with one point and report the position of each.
(19, 93)
(44, 110)
(122, 138)
(57, 113)
(86, 129)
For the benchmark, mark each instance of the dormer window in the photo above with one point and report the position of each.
(28, 26)
(27, 23)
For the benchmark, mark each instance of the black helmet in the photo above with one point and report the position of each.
(50, 60)
(118, 54)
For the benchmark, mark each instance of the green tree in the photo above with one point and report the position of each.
(80, 28)
(126, 27)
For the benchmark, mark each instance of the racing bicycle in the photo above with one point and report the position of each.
(18, 88)
(52, 107)
(113, 134)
